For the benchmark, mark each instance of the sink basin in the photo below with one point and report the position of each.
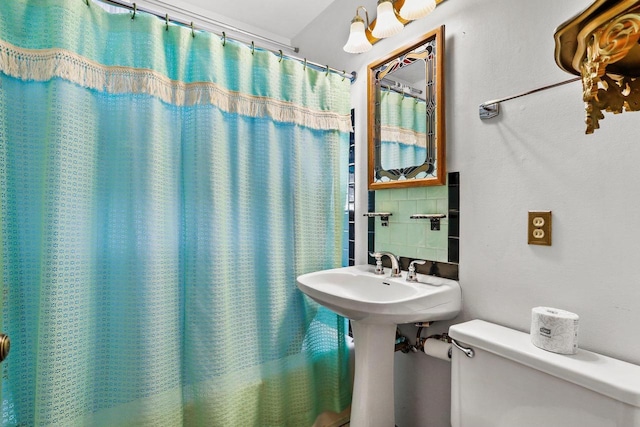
(359, 294)
(376, 304)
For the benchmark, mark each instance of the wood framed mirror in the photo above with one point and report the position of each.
(406, 123)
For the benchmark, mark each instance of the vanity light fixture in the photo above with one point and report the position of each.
(390, 21)
(416, 9)
(387, 23)
(358, 41)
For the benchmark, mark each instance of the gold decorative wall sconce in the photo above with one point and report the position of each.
(600, 44)
(393, 15)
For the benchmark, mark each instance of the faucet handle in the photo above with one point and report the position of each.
(411, 275)
(378, 257)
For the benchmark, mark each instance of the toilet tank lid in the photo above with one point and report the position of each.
(605, 375)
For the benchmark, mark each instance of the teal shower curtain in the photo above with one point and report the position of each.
(159, 194)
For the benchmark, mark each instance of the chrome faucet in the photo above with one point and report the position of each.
(395, 267)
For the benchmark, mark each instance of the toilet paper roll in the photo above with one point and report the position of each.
(438, 349)
(554, 330)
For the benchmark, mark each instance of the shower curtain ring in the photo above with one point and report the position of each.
(87, 2)
(344, 74)
(135, 9)
(253, 48)
(193, 34)
(305, 64)
(280, 60)
(224, 39)
(327, 72)
(166, 21)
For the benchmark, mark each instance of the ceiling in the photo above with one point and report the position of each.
(285, 18)
(278, 20)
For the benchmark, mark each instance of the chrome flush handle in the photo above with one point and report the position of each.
(468, 351)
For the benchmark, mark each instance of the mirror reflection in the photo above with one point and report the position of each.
(403, 109)
(406, 116)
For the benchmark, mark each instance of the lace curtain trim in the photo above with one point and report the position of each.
(404, 136)
(45, 64)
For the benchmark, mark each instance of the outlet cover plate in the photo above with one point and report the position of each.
(539, 228)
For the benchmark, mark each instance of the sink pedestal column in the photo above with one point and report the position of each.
(372, 404)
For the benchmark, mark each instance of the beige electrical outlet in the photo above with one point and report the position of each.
(539, 229)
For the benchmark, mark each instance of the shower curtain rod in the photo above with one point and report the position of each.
(319, 67)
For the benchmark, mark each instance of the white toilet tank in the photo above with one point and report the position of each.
(509, 382)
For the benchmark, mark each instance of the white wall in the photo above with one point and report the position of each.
(534, 156)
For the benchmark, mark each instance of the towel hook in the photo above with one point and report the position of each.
(193, 34)
(280, 60)
(253, 48)
(166, 21)
(135, 9)
(224, 39)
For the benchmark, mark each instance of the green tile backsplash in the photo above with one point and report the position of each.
(413, 238)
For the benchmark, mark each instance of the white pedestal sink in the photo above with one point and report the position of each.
(376, 305)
